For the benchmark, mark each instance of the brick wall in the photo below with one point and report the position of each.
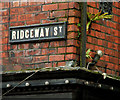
(38, 54)
(105, 35)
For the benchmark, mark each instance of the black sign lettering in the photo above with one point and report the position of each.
(38, 32)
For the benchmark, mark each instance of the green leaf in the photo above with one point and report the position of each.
(88, 24)
(78, 25)
(88, 51)
(89, 15)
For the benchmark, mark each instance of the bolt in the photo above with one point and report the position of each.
(46, 83)
(8, 85)
(66, 81)
(27, 84)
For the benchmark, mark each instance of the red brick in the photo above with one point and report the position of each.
(109, 52)
(110, 38)
(116, 67)
(77, 5)
(5, 61)
(95, 26)
(21, 17)
(17, 11)
(94, 41)
(72, 28)
(5, 34)
(100, 35)
(5, 12)
(74, 13)
(62, 19)
(73, 20)
(23, 3)
(52, 51)
(29, 52)
(29, 16)
(44, 51)
(71, 35)
(16, 3)
(38, 59)
(106, 57)
(30, 22)
(4, 40)
(50, 7)
(73, 42)
(5, 19)
(95, 11)
(61, 63)
(71, 49)
(57, 44)
(63, 13)
(56, 57)
(31, 2)
(89, 39)
(24, 60)
(71, 4)
(116, 53)
(63, 5)
(114, 60)
(5, 47)
(112, 45)
(99, 42)
(6, 5)
(70, 57)
(91, 10)
(13, 18)
(115, 18)
(37, 52)
(62, 50)
(33, 9)
(4, 54)
(48, 64)
(104, 43)
(17, 23)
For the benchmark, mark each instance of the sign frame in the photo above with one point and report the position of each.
(64, 36)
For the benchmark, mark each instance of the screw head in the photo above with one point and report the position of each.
(27, 84)
(111, 88)
(8, 85)
(47, 83)
(66, 81)
(99, 85)
(86, 82)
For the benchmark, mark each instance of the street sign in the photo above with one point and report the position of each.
(40, 32)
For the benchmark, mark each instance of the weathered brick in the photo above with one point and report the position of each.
(71, 50)
(13, 18)
(61, 50)
(73, 20)
(23, 3)
(62, 13)
(70, 57)
(38, 59)
(74, 12)
(33, 9)
(21, 17)
(72, 28)
(50, 7)
(61, 63)
(63, 6)
(16, 3)
(56, 57)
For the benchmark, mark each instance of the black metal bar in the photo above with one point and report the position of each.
(83, 35)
